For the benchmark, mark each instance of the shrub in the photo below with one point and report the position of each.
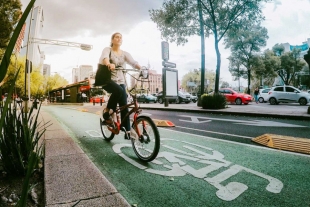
(214, 101)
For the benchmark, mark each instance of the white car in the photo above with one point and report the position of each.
(287, 94)
(263, 95)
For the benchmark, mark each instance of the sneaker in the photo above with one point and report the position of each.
(127, 136)
(107, 118)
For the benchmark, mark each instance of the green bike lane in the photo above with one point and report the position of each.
(192, 170)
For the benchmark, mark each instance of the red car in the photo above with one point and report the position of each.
(233, 96)
(97, 99)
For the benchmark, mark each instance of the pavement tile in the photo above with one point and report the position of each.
(115, 200)
(72, 178)
(55, 134)
(57, 147)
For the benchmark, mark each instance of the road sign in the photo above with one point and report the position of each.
(165, 50)
(168, 64)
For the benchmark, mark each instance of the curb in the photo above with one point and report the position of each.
(284, 116)
(70, 177)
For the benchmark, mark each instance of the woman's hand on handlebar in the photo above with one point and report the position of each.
(111, 66)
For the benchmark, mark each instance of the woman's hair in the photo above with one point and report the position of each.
(113, 35)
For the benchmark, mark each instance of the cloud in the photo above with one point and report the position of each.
(93, 22)
(64, 19)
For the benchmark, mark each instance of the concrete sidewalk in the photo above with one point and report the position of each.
(70, 177)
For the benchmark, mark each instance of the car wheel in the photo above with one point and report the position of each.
(194, 101)
(302, 101)
(177, 101)
(238, 101)
(261, 100)
(273, 101)
(160, 100)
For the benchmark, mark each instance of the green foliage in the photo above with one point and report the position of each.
(19, 138)
(291, 63)
(10, 11)
(195, 77)
(278, 49)
(178, 19)
(8, 52)
(214, 101)
(245, 41)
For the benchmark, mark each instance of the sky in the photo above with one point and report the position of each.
(94, 21)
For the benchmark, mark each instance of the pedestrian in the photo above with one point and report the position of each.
(256, 93)
(114, 57)
(84, 97)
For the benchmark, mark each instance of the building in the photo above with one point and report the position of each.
(46, 70)
(75, 75)
(81, 73)
(304, 47)
(85, 71)
(154, 85)
(33, 29)
(19, 42)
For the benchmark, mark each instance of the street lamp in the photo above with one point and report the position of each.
(82, 46)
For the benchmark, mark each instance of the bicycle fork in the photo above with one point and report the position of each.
(136, 133)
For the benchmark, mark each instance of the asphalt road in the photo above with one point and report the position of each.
(196, 168)
(230, 127)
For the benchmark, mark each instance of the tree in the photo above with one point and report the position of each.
(291, 63)
(55, 81)
(245, 42)
(178, 19)
(278, 49)
(270, 64)
(10, 12)
(193, 76)
(236, 69)
(225, 84)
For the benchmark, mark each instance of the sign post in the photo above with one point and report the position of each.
(170, 75)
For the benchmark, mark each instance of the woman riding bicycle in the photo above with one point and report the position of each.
(114, 58)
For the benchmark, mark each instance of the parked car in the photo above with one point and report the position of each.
(235, 97)
(146, 98)
(97, 99)
(160, 98)
(193, 97)
(287, 94)
(183, 97)
(263, 95)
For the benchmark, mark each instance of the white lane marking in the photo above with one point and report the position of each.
(233, 135)
(195, 119)
(94, 133)
(179, 164)
(232, 142)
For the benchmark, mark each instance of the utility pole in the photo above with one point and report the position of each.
(202, 36)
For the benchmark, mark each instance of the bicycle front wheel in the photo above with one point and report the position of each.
(107, 134)
(147, 145)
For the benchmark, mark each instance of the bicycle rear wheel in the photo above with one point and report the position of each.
(107, 134)
(148, 144)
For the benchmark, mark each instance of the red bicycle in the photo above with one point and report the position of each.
(144, 134)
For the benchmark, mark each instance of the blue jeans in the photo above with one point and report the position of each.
(118, 95)
(256, 98)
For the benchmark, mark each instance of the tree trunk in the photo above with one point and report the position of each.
(218, 64)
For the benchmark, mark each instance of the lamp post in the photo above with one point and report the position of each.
(82, 46)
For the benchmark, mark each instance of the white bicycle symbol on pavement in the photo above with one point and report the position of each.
(214, 161)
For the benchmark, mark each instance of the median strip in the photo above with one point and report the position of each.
(294, 144)
(163, 123)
